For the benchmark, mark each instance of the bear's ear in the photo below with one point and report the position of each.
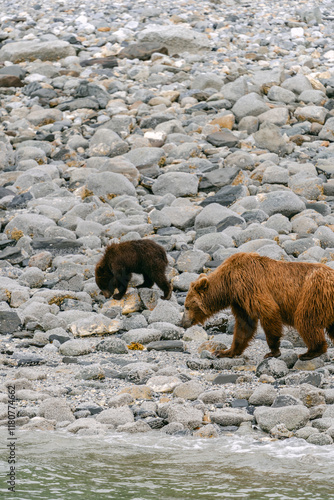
(99, 270)
(202, 283)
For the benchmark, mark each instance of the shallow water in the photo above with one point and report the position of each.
(144, 467)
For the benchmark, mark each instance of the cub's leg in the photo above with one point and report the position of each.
(148, 282)
(122, 278)
(162, 282)
(244, 331)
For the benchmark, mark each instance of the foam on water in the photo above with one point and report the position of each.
(155, 465)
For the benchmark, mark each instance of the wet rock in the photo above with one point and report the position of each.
(56, 409)
(188, 416)
(230, 416)
(116, 416)
(293, 417)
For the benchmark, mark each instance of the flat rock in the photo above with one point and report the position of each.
(17, 52)
(177, 39)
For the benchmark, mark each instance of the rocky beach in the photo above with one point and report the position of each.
(207, 127)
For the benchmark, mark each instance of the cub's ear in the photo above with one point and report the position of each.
(201, 284)
(99, 270)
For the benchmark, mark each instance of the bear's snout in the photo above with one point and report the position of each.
(187, 321)
(106, 293)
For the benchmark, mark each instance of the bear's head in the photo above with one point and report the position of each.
(195, 310)
(105, 280)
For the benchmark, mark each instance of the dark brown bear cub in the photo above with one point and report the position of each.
(276, 293)
(120, 260)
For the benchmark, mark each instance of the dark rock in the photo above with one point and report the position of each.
(45, 94)
(28, 359)
(60, 245)
(31, 88)
(5, 192)
(61, 338)
(13, 255)
(239, 403)
(166, 345)
(10, 81)
(92, 408)
(312, 378)
(284, 400)
(69, 360)
(255, 216)
(9, 321)
(223, 138)
(219, 177)
(20, 200)
(106, 62)
(142, 51)
(7, 243)
(231, 220)
(156, 423)
(226, 196)
(225, 379)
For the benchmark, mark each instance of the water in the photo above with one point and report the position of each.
(153, 466)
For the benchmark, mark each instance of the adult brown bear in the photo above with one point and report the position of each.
(120, 260)
(276, 293)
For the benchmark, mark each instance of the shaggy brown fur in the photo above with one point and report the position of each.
(120, 260)
(274, 292)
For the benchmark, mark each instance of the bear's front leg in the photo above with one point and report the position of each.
(244, 331)
(224, 354)
(122, 284)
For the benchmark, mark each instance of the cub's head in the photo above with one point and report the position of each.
(105, 280)
(195, 310)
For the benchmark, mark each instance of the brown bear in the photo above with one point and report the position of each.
(277, 293)
(120, 260)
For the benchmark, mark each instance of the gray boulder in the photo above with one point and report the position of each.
(177, 39)
(177, 183)
(281, 202)
(17, 52)
(109, 184)
(293, 417)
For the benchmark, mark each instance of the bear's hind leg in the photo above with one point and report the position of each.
(148, 282)
(164, 285)
(244, 331)
(316, 342)
(330, 331)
